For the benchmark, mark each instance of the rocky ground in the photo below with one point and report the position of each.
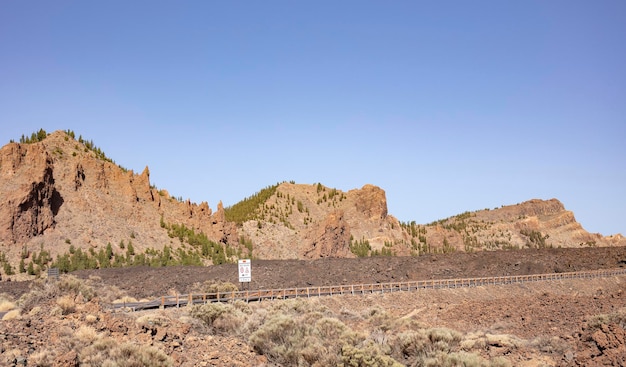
(271, 274)
(564, 323)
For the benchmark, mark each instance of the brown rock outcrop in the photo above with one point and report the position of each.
(27, 207)
(605, 346)
(371, 201)
(60, 191)
(331, 239)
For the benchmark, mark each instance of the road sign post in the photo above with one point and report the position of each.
(245, 271)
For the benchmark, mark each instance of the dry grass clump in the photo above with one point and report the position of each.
(41, 358)
(42, 291)
(222, 318)
(618, 317)
(97, 349)
(91, 319)
(152, 319)
(367, 355)
(67, 304)
(6, 304)
(11, 315)
(553, 344)
(109, 293)
(301, 332)
(71, 284)
(9, 307)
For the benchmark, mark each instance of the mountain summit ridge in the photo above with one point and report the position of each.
(60, 193)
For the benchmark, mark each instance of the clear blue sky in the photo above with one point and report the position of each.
(447, 105)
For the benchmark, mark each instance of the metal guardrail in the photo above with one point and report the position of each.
(358, 289)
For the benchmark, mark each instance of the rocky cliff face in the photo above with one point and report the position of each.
(531, 224)
(58, 193)
(28, 206)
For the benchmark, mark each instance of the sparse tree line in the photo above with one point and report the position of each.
(362, 248)
(248, 208)
(259, 207)
(332, 197)
(34, 137)
(195, 249)
(468, 228)
(40, 135)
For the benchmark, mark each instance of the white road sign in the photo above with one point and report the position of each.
(245, 270)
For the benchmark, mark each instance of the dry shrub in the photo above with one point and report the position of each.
(67, 304)
(328, 328)
(110, 293)
(221, 318)
(34, 311)
(281, 339)
(412, 344)
(11, 315)
(445, 335)
(349, 314)
(299, 306)
(428, 342)
(91, 319)
(331, 335)
(131, 355)
(41, 358)
(296, 333)
(503, 340)
(86, 334)
(550, 344)
(303, 332)
(42, 291)
(97, 349)
(440, 347)
(152, 319)
(470, 343)
(618, 317)
(366, 356)
(6, 305)
(500, 362)
(460, 359)
(71, 284)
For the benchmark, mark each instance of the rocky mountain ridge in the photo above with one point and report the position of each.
(60, 194)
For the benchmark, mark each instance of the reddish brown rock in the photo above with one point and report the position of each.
(332, 239)
(58, 192)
